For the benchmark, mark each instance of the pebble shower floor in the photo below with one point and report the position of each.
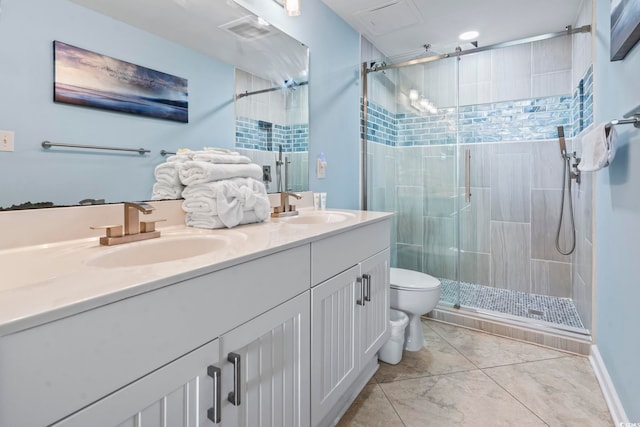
(547, 308)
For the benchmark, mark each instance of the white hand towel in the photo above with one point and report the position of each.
(181, 157)
(167, 173)
(228, 199)
(193, 172)
(164, 191)
(200, 204)
(215, 157)
(598, 148)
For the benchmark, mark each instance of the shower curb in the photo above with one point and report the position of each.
(534, 334)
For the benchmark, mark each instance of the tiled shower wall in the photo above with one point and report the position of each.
(266, 121)
(508, 230)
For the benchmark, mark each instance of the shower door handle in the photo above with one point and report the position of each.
(467, 176)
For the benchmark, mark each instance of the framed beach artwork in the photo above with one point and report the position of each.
(625, 27)
(89, 79)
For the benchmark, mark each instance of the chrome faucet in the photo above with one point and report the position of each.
(134, 229)
(285, 209)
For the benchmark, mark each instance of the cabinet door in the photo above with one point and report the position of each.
(333, 341)
(273, 350)
(374, 316)
(176, 395)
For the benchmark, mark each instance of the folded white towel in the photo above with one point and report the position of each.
(221, 150)
(164, 191)
(167, 173)
(598, 148)
(193, 172)
(215, 157)
(199, 220)
(181, 157)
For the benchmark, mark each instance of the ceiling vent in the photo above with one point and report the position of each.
(248, 28)
(389, 17)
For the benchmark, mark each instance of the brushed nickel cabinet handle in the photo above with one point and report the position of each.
(367, 280)
(234, 396)
(214, 413)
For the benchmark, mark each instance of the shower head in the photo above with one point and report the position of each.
(563, 145)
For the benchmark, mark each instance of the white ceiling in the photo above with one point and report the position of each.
(196, 24)
(400, 28)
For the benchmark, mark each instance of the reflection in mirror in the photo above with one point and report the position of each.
(202, 41)
(272, 128)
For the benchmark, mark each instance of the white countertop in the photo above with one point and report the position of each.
(45, 282)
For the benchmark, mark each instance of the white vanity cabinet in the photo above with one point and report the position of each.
(350, 316)
(65, 366)
(267, 360)
(180, 394)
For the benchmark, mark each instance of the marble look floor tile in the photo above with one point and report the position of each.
(461, 399)
(438, 357)
(371, 408)
(486, 350)
(563, 392)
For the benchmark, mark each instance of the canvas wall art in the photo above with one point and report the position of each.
(86, 78)
(625, 27)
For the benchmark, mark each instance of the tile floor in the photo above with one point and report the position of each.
(561, 311)
(468, 378)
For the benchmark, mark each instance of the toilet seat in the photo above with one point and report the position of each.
(408, 280)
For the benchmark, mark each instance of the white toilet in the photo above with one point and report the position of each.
(416, 294)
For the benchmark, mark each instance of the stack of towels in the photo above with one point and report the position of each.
(168, 185)
(222, 189)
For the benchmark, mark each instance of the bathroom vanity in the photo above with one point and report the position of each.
(267, 324)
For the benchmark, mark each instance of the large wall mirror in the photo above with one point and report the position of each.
(252, 97)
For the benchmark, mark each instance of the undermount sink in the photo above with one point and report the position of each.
(162, 249)
(318, 217)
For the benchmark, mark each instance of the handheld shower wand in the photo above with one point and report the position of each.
(566, 173)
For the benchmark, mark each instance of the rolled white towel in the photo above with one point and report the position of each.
(193, 172)
(233, 201)
(181, 157)
(228, 199)
(209, 189)
(164, 191)
(167, 173)
(200, 220)
(215, 157)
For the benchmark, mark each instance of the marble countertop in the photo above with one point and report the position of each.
(45, 282)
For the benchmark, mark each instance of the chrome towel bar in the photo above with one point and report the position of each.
(165, 152)
(49, 144)
(632, 117)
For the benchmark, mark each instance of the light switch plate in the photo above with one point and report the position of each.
(6, 140)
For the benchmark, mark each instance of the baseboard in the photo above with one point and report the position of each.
(606, 385)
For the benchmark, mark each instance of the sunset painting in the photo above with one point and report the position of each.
(93, 80)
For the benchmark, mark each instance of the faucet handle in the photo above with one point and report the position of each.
(112, 230)
(149, 226)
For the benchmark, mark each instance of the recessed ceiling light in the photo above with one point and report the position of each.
(469, 35)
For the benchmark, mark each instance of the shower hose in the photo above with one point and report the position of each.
(566, 173)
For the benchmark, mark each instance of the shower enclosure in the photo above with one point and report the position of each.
(465, 150)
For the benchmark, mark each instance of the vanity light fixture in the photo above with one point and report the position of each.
(291, 7)
(469, 35)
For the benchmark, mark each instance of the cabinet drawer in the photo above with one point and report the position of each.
(335, 254)
(65, 365)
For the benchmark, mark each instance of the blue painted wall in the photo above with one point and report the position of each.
(27, 30)
(334, 94)
(617, 204)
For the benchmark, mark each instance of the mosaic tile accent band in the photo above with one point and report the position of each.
(265, 136)
(556, 310)
(521, 120)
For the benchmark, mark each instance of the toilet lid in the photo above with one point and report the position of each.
(408, 279)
